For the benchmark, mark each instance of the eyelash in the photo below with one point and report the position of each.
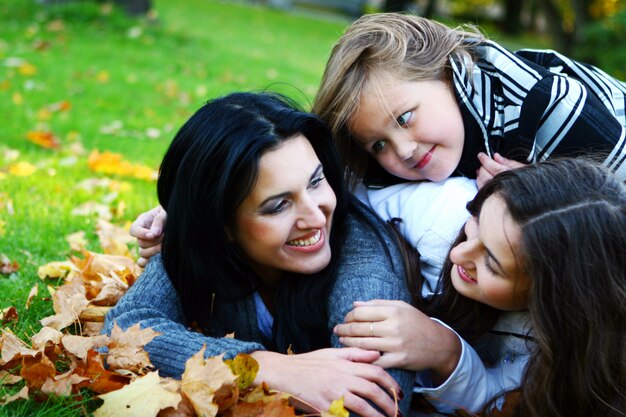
(280, 207)
(489, 268)
(402, 121)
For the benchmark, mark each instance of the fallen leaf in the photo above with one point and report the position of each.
(68, 301)
(77, 241)
(113, 239)
(32, 294)
(7, 266)
(64, 384)
(13, 347)
(22, 169)
(45, 336)
(7, 378)
(44, 139)
(9, 315)
(91, 328)
(144, 397)
(184, 409)
(21, 395)
(36, 369)
(202, 379)
(90, 208)
(336, 409)
(126, 348)
(245, 367)
(102, 380)
(57, 269)
(79, 346)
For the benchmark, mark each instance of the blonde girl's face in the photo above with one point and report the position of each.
(486, 268)
(414, 129)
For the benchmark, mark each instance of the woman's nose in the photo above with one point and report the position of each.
(404, 146)
(465, 254)
(311, 216)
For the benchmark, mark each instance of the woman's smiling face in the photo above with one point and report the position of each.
(284, 224)
(486, 268)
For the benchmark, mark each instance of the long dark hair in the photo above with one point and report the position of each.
(207, 172)
(572, 217)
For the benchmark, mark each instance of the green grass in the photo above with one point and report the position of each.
(139, 75)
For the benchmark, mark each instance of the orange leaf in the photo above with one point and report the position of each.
(21, 395)
(35, 370)
(9, 315)
(44, 139)
(64, 384)
(68, 301)
(102, 380)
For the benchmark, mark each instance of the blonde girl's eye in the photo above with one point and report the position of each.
(378, 146)
(404, 118)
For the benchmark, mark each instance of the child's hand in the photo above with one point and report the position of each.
(148, 229)
(406, 337)
(491, 167)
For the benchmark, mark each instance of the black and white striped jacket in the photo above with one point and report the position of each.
(535, 104)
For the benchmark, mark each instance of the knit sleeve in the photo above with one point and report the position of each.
(152, 302)
(370, 268)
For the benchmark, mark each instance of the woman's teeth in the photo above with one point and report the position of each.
(307, 242)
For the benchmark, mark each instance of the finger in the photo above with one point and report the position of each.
(159, 222)
(142, 262)
(509, 163)
(377, 344)
(358, 355)
(149, 252)
(361, 329)
(482, 177)
(376, 303)
(138, 230)
(490, 165)
(148, 243)
(379, 388)
(369, 313)
(360, 406)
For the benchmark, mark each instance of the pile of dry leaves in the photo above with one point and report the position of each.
(69, 355)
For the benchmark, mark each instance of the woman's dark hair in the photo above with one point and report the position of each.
(209, 169)
(572, 218)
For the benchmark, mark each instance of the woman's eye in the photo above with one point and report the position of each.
(404, 118)
(378, 146)
(277, 208)
(317, 181)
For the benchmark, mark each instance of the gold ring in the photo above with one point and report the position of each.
(372, 328)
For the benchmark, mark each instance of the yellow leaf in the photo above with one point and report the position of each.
(17, 98)
(245, 367)
(26, 68)
(43, 138)
(202, 379)
(77, 241)
(144, 397)
(126, 348)
(22, 169)
(336, 409)
(102, 77)
(56, 269)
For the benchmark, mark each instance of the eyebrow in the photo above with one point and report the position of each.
(315, 174)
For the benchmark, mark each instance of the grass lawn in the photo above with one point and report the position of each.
(84, 77)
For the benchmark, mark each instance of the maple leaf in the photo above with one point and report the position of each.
(102, 380)
(6, 266)
(21, 395)
(91, 328)
(68, 301)
(113, 163)
(77, 241)
(95, 265)
(64, 384)
(184, 409)
(9, 379)
(46, 140)
(126, 348)
(79, 346)
(90, 208)
(245, 367)
(36, 369)
(202, 379)
(143, 397)
(14, 348)
(45, 336)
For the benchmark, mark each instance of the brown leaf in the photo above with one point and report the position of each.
(77, 241)
(113, 239)
(9, 315)
(102, 380)
(202, 379)
(144, 397)
(63, 385)
(14, 348)
(92, 328)
(68, 301)
(184, 409)
(7, 378)
(45, 336)
(79, 346)
(6, 266)
(126, 348)
(35, 370)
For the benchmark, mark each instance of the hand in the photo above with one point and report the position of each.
(148, 229)
(407, 338)
(323, 376)
(490, 167)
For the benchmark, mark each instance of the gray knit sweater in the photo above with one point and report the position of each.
(365, 273)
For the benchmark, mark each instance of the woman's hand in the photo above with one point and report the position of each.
(323, 376)
(148, 229)
(490, 167)
(406, 337)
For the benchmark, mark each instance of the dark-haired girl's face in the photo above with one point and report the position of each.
(486, 268)
(284, 224)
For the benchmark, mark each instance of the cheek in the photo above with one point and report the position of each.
(258, 234)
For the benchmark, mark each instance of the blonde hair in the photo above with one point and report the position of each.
(402, 46)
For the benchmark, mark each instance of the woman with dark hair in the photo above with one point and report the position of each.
(263, 241)
(536, 282)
